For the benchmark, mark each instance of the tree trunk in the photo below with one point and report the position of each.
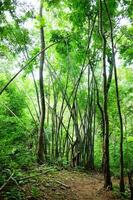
(122, 185)
(107, 176)
(41, 147)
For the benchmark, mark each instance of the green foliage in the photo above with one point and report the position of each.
(126, 44)
(35, 192)
(69, 24)
(130, 139)
(13, 131)
(53, 3)
(14, 194)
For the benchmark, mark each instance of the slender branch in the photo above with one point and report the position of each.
(14, 115)
(6, 182)
(26, 65)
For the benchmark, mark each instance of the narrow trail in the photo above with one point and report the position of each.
(72, 185)
(89, 187)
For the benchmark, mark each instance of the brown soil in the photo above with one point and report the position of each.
(69, 185)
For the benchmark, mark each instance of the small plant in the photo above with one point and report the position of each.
(35, 192)
(14, 194)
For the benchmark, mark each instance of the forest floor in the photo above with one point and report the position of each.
(66, 185)
(71, 185)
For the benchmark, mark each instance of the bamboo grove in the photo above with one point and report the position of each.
(75, 51)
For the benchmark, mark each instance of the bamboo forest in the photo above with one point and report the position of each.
(66, 100)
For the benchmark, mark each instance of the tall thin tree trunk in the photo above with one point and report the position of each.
(107, 176)
(36, 90)
(89, 164)
(77, 133)
(122, 185)
(48, 109)
(41, 147)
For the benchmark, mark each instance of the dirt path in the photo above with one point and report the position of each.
(89, 187)
(67, 185)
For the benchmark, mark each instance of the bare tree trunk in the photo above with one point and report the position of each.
(41, 147)
(107, 176)
(122, 185)
(101, 111)
(94, 129)
(53, 134)
(89, 148)
(77, 134)
(37, 92)
(48, 109)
